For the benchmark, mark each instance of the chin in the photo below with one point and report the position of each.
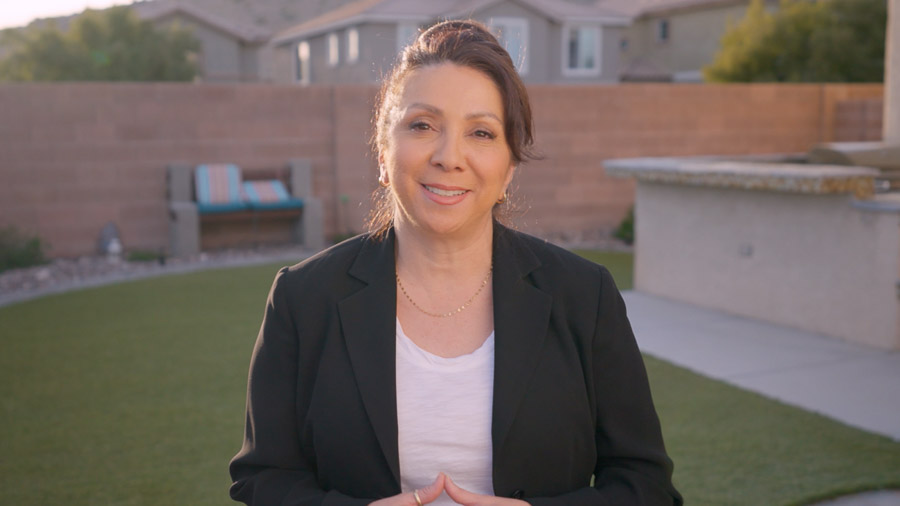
(449, 228)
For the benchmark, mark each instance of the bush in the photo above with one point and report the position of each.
(145, 256)
(625, 230)
(18, 250)
(825, 41)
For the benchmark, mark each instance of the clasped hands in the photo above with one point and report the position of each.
(443, 483)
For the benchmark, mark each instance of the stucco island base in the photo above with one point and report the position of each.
(809, 247)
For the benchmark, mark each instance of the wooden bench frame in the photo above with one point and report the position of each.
(185, 220)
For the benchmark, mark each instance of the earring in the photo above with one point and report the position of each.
(503, 197)
(382, 179)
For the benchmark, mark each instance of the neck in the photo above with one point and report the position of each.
(447, 257)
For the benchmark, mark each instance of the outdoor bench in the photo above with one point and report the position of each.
(210, 193)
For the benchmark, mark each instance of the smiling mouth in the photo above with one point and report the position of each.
(444, 193)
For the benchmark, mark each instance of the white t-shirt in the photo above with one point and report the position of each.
(444, 408)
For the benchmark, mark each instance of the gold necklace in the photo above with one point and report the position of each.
(451, 313)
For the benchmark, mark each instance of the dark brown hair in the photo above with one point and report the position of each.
(469, 44)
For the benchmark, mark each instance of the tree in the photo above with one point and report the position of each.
(829, 40)
(108, 45)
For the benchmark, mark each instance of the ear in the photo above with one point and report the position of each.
(381, 169)
(509, 176)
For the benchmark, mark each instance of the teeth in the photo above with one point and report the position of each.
(444, 193)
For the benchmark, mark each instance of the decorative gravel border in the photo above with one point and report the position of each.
(65, 274)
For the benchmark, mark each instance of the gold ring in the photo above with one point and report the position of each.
(416, 495)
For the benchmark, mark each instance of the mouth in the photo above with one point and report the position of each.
(443, 192)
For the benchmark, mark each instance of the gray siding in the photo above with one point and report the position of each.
(222, 58)
(378, 51)
(539, 64)
(609, 57)
(694, 37)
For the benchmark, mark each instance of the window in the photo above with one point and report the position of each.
(406, 34)
(662, 30)
(513, 34)
(302, 63)
(352, 45)
(333, 49)
(581, 48)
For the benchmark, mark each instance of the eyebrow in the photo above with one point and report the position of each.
(434, 110)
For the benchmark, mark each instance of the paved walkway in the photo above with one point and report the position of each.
(856, 385)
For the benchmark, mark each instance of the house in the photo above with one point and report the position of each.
(672, 40)
(356, 41)
(551, 41)
(230, 50)
(233, 34)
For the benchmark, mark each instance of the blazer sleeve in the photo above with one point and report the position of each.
(271, 468)
(632, 466)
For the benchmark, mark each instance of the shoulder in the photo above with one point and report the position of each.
(324, 272)
(554, 265)
(337, 257)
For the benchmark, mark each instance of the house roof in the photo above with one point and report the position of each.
(286, 20)
(362, 11)
(248, 20)
(237, 28)
(638, 8)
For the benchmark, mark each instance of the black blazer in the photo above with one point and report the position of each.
(571, 398)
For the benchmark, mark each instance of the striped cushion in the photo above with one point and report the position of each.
(218, 188)
(270, 194)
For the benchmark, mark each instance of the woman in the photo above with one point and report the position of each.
(443, 357)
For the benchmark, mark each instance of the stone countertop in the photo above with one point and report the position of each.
(781, 177)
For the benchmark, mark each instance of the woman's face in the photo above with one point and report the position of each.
(446, 155)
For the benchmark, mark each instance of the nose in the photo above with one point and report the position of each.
(448, 152)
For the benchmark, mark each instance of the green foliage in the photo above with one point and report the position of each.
(826, 41)
(18, 250)
(343, 236)
(108, 45)
(144, 256)
(619, 263)
(625, 231)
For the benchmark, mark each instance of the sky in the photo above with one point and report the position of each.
(21, 12)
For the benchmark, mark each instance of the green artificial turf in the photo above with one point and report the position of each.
(133, 394)
(620, 265)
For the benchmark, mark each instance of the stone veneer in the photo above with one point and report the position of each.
(782, 177)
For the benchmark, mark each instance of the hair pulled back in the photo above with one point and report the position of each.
(466, 43)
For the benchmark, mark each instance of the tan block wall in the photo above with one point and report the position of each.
(838, 122)
(568, 196)
(76, 156)
(859, 120)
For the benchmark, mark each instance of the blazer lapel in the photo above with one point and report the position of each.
(368, 319)
(521, 321)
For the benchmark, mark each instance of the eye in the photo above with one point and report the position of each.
(419, 126)
(485, 134)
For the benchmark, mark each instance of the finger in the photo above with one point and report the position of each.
(431, 492)
(459, 494)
